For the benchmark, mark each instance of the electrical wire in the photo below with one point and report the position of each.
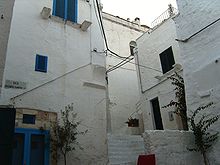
(125, 61)
(96, 11)
(50, 81)
(103, 32)
(116, 54)
(121, 62)
(102, 27)
(112, 69)
(112, 52)
(143, 66)
(187, 39)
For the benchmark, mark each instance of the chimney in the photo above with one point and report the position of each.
(100, 5)
(137, 21)
(170, 10)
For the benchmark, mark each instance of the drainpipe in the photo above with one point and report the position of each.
(139, 71)
(108, 113)
(90, 44)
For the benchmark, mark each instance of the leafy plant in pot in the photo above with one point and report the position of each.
(132, 122)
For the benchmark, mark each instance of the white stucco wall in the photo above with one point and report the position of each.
(149, 46)
(170, 147)
(75, 73)
(122, 82)
(164, 91)
(201, 70)
(6, 10)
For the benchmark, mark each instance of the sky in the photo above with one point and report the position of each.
(146, 10)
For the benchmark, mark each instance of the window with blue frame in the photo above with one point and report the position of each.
(41, 63)
(31, 147)
(66, 9)
(29, 119)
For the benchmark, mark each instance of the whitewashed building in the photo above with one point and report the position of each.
(158, 56)
(122, 82)
(199, 38)
(49, 59)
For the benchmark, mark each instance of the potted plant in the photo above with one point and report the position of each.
(132, 122)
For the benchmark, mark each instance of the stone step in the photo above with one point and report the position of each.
(133, 144)
(124, 137)
(128, 163)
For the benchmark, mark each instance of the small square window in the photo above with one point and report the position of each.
(29, 119)
(167, 60)
(41, 63)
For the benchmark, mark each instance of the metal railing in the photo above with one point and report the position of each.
(171, 11)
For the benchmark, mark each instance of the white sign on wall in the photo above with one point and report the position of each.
(15, 84)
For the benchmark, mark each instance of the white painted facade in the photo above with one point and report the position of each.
(170, 147)
(75, 73)
(6, 9)
(122, 82)
(201, 57)
(152, 82)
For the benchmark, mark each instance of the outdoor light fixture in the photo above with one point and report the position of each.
(85, 25)
(45, 13)
(158, 77)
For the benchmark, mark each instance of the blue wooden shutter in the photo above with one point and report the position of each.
(41, 63)
(72, 10)
(59, 8)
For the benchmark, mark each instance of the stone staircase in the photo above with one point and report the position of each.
(124, 149)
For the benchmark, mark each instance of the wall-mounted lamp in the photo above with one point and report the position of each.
(158, 77)
(45, 13)
(85, 25)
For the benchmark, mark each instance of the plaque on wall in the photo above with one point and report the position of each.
(15, 84)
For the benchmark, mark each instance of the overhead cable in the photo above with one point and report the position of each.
(143, 66)
(103, 31)
(50, 81)
(112, 52)
(125, 61)
(187, 39)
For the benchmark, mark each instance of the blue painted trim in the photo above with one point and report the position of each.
(36, 63)
(27, 151)
(37, 67)
(76, 11)
(54, 7)
(27, 143)
(65, 9)
(33, 131)
(46, 63)
(47, 148)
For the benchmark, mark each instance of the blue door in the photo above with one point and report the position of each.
(31, 147)
(18, 149)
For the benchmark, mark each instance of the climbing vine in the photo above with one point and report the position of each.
(200, 125)
(180, 102)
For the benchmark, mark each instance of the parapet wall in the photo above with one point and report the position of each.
(170, 147)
